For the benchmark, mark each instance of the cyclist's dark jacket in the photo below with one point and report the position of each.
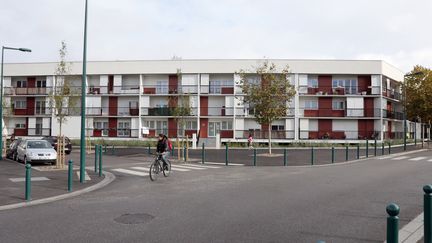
(161, 146)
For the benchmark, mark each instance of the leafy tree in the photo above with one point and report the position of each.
(270, 96)
(418, 92)
(63, 99)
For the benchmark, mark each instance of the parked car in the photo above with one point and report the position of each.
(53, 141)
(36, 151)
(11, 151)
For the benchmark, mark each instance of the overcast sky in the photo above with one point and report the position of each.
(397, 31)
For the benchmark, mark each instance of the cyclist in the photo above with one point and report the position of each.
(162, 147)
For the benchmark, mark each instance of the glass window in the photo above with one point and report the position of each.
(313, 83)
(41, 84)
(338, 105)
(215, 87)
(162, 87)
(311, 104)
(227, 125)
(20, 125)
(20, 104)
(278, 127)
(338, 83)
(21, 84)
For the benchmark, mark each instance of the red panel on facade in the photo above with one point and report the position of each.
(30, 105)
(264, 127)
(203, 128)
(368, 107)
(227, 134)
(311, 113)
(204, 106)
(110, 84)
(172, 101)
(365, 129)
(173, 84)
(21, 112)
(364, 82)
(227, 90)
(112, 106)
(149, 90)
(325, 126)
(20, 132)
(112, 125)
(31, 82)
(172, 128)
(97, 133)
(325, 107)
(325, 83)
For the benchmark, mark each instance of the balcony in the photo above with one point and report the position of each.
(113, 132)
(27, 91)
(340, 90)
(124, 89)
(340, 135)
(261, 134)
(391, 93)
(113, 111)
(350, 112)
(393, 115)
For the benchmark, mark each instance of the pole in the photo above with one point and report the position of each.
(226, 154)
(333, 155)
(255, 162)
(203, 153)
(427, 204)
(1, 109)
(367, 148)
(382, 148)
(375, 148)
(100, 161)
(28, 182)
(285, 157)
(312, 155)
(389, 148)
(405, 115)
(83, 101)
(358, 151)
(70, 175)
(392, 223)
(346, 153)
(96, 157)
(415, 133)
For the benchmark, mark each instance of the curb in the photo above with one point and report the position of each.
(109, 177)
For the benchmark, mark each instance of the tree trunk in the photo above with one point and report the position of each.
(270, 141)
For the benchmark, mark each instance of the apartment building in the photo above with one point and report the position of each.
(336, 100)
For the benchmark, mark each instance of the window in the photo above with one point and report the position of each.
(20, 125)
(215, 87)
(133, 104)
(161, 127)
(351, 86)
(338, 105)
(311, 104)
(102, 126)
(123, 129)
(161, 87)
(41, 84)
(149, 124)
(338, 83)
(313, 82)
(21, 84)
(278, 127)
(20, 104)
(191, 125)
(227, 125)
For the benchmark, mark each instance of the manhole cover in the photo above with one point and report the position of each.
(138, 218)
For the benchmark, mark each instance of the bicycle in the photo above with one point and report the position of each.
(156, 167)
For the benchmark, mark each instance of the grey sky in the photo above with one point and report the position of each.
(397, 31)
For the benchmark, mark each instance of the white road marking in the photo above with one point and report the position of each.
(87, 177)
(418, 158)
(204, 166)
(131, 172)
(32, 179)
(217, 163)
(187, 167)
(400, 158)
(148, 169)
(387, 157)
(430, 160)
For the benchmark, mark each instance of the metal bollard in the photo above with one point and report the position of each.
(70, 172)
(285, 157)
(346, 153)
(203, 153)
(392, 223)
(389, 148)
(254, 162)
(333, 155)
(226, 154)
(100, 162)
(375, 148)
(28, 182)
(358, 151)
(184, 153)
(427, 201)
(382, 149)
(112, 150)
(105, 150)
(312, 155)
(367, 148)
(96, 157)
(149, 149)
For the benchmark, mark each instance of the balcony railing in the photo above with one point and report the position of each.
(345, 90)
(27, 90)
(391, 93)
(338, 135)
(349, 112)
(262, 134)
(393, 115)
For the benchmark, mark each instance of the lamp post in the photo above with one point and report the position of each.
(83, 102)
(1, 92)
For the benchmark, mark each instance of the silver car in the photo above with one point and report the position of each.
(36, 151)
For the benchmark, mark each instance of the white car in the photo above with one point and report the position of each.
(36, 151)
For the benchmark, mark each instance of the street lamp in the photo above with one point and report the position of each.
(83, 102)
(1, 92)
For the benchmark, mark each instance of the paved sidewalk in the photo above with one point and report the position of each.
(44, 183)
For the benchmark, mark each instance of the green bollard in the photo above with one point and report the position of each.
(285, 157)
(358, 151)
(427, 204)
(375, 148)
(312, 155)
(254, 162)
(226, 154)
(70, 173)
(28, 182)
(149, 149)
(367, 148)
(383, 148)
(112, 150)
(392, 223)
(100, 162)
(96, 157)
(184, 153)
(105, 150)
(172, 150)
(389, 148)
(203, 153)
(333, 155)
(346, 153)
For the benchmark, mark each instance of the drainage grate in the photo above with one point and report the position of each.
(138, 218)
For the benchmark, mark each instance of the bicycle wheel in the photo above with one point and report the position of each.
(167, 170)
(154, 171)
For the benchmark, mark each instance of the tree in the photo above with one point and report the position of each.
(62, 97)
(418, 92)
(270, 96)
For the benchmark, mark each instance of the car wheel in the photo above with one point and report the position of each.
(14, 157)
(68, 152)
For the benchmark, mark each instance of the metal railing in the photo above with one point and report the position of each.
(391, 93)
(338, 135)
(348, 112)
(27, 90)
(261, 134)
(393, 114)
(342, 90)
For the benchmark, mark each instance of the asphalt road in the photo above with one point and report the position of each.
(342, 203)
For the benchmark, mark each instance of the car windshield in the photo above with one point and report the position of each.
(38, 144)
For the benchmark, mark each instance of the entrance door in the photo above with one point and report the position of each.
(214, 128)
